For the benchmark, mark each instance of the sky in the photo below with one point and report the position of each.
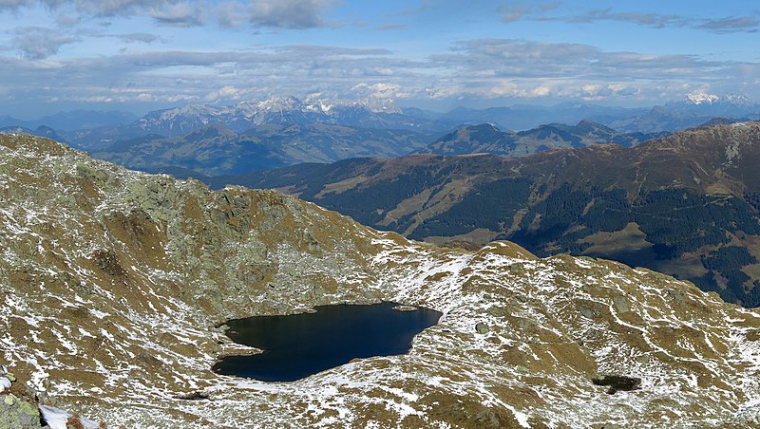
(142, 55)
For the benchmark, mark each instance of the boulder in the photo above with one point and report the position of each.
(617, 383)
(18, 414)
(481, 328)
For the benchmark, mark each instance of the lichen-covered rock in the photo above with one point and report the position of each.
(16, 413)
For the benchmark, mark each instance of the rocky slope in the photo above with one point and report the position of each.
(487, 138)
(687, 205)
(113, 283)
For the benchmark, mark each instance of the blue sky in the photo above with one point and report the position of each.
(140, 55)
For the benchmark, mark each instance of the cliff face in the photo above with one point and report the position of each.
(112, 284)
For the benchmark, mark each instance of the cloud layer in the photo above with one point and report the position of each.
(259, 13)
(724, 25)
(486, 68)
(102, 51)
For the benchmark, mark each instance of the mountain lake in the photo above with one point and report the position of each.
(299, 345)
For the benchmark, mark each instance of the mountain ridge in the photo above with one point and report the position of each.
(628, 204)
(488, 138)
(218, 150)
(124, 278)
(282, 111)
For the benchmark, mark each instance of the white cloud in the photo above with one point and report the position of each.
(730, 24)
(475, 69)
(40, 42)
(225, 93)
(178, 14)
(230, 13)
(289, 13)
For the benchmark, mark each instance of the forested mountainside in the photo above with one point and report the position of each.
(122, 279)
(686, 204)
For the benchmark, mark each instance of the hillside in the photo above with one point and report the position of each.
(114, 283)
(686, 205)
(487, 138)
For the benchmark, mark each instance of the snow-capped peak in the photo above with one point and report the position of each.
(700, 96)
(189, 109)
(279, 104)
(315, 108)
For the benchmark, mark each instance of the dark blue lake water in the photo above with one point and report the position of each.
(298, 345)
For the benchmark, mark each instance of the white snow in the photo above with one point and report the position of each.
(5, 384)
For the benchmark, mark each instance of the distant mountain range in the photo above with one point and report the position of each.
(686, 205)
(73, 120)
(680, 116)
(282, 111)
(487, 138)
(41, 131)
(96, 131)
(195, 140)
(216, 149)
(694, 110)
(524, 117)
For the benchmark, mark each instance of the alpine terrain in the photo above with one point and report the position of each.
(687, 204)
(218, 150)
(114, 284)
(487, 138)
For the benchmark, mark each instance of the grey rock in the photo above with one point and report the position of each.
(18, 414)
(481, 328)
(621, 304)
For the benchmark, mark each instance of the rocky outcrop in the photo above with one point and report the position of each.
(22, 407)
(617, 383)
(17, 410)
(113, 284)
(18, 414)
